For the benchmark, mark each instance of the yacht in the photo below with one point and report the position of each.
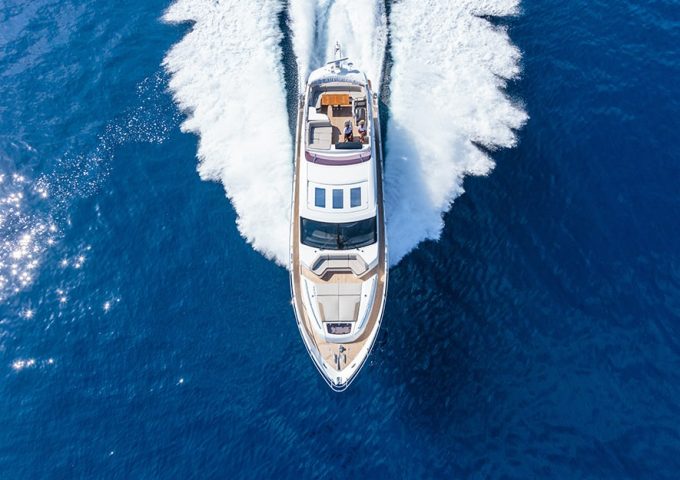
(338, 261)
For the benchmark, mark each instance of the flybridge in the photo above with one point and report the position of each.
(336, 121)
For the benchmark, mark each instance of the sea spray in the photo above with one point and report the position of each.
(447, 95)
(303, 15)
(227, 76)
(448, 78)
(359, 26)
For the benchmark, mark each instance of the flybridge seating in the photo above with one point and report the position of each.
(330, 108)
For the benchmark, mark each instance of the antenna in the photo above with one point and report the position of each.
(337, 63)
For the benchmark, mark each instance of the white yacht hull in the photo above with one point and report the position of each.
(338, 354)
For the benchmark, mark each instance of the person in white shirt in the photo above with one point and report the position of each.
(349, 136)
(362, 131)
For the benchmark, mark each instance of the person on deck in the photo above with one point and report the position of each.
(362, 131)
(349, 136)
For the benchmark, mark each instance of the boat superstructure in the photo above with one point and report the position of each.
(338, 246)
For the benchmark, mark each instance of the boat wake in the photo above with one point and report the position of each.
(447, 94)
(447, 85)
(359, 26)
(227, 76)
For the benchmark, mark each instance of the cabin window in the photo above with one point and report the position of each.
(337, 197)
(320, 197)
(338, 236)
(355, 197)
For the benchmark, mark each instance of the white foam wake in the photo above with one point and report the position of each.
(360, 26)
(227, 76)
(450, 69)
(447, 91)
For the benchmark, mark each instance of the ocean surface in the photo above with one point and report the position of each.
(532, 328)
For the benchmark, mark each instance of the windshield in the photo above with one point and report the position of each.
(338, 236)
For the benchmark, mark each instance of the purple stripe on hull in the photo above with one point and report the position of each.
(333, 160)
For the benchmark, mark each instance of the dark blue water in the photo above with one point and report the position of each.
(141, 337)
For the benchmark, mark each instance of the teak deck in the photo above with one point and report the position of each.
(335, 99)
(338, 116)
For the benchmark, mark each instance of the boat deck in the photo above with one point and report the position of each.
(338, 116)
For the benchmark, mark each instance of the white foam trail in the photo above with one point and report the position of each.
(227, 76)
(361, 28)
(447, 91)
(302, 15)
(359, 25)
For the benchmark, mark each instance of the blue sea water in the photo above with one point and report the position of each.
(142, 337)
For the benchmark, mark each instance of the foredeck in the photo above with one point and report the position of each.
(350, 351)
